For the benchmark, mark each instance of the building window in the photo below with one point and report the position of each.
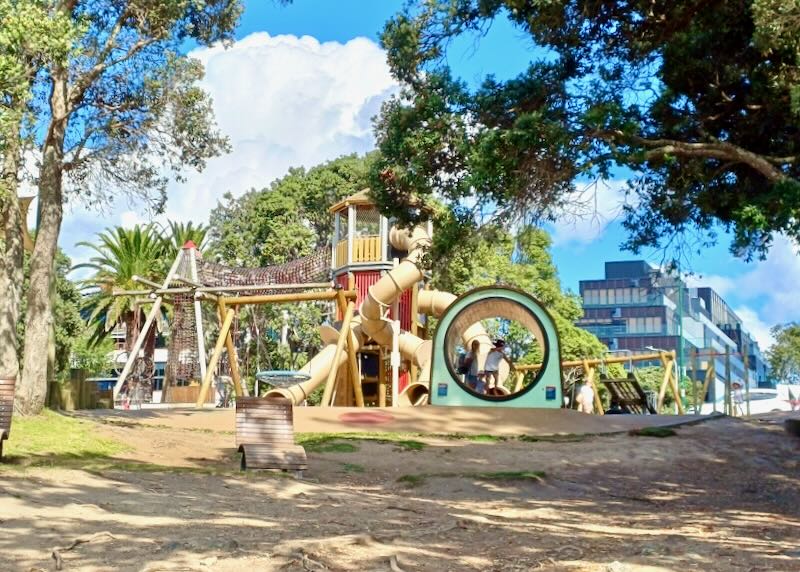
(603, 296)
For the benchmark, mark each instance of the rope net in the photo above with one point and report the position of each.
(312, 268)
(183, 362)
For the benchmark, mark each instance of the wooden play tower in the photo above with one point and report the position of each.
(361, 255)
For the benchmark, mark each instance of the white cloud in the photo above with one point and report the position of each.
(775, 280)
(594, 207)
(283, 101)
(129, 219)
(756, 327)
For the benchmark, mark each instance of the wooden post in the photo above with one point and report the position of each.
(212, 363)
(344, 334)
(728, 405)
(746, 359)
(137, 346)
(381, 379)
(198, 315)
(711, 374)
(355, 375)
(662, 390)
(694, 381)
(351, 233)
(233, 357)
(676, 392)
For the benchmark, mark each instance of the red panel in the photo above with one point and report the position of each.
(404, 307)
(364, 280)
(402, 381)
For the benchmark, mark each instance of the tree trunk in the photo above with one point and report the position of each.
(32, 389)
(11, 257)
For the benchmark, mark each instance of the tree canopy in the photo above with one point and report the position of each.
(289, 218)
(524, 261)
(119, 111)
(699, 102)
(784, 355)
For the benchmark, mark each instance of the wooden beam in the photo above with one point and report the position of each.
(233, 357)
(598, 361)
(344, 334)
(355, 375)
(286, 298)
(212, 363)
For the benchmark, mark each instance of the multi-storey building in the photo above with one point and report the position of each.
(637, 308)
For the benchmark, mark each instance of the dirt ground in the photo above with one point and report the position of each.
(720, 495)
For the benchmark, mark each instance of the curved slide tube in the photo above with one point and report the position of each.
(434, 303)
(372, 323)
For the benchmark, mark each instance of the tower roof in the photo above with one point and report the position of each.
(360, 198)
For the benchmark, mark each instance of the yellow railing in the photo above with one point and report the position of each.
(341, 253)
(365, 249)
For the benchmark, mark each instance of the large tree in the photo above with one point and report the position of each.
(121, 115)
(30, 38)
(697, 101)
(289, 218)
(784, 355)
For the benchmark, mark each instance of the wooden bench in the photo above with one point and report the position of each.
(6, 408)
(265, 435)
(629, 394)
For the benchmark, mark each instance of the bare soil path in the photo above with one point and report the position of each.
(719, 496)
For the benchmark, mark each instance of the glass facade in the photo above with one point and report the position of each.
(637, 307)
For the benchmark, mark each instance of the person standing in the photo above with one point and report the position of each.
(492, 366)
(472, 367)
(585, 398)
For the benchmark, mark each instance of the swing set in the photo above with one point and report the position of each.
(626, 391)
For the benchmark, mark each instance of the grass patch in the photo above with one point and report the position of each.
(476, 438)
(331, 447)
(660, 432)
(508, 476)
(352, 468)
(411, 481)
(566, 438)
(409, 445)
(53, 435)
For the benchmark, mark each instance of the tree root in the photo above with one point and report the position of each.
(56, 554)
(393, 565)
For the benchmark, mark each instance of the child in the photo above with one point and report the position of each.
(471, 365)
(492, 366)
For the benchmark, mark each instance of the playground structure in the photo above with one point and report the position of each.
(591, 376)
(376, 350)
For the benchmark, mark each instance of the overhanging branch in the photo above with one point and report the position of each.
(660, 148)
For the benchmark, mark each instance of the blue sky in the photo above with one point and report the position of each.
(300, 86)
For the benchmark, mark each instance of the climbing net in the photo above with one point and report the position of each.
(311, 268)
(183, 363)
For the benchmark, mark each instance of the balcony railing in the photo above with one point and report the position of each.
(365, 249)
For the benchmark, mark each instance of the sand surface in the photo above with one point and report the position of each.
(720, 496)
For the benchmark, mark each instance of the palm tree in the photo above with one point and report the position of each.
(179, 233)
(121, 254)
